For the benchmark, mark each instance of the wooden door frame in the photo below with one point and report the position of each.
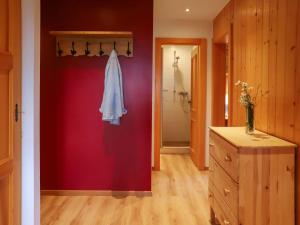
(218, 84)
(218, 97)
(202, 43)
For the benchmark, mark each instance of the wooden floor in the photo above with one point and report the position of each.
(179, 197)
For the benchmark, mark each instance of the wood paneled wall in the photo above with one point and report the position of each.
(266, 54)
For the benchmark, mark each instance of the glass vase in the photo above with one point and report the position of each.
(250, 119)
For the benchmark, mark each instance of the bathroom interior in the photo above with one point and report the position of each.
(177, 98)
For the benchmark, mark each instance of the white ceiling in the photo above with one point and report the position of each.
(200, 9)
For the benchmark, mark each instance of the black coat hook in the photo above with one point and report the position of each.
(59, 50)
(101, 52)
(73, 51)
(114, 45)
(87, 51)
(128, 49)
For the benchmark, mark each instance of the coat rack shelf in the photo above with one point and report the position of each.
(93, 43)
(98, 34)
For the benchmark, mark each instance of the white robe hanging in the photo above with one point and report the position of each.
(112, 107)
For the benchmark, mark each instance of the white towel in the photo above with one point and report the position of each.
(112, 107)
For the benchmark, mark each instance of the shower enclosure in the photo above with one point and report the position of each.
(176, 98)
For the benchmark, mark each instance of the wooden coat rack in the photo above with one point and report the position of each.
(93, 43)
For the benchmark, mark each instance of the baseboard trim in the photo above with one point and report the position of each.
(95, 193)
(175, 150)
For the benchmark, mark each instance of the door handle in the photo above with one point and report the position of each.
(16, 112)
(226, 191)
(226, 222)
(227, 158)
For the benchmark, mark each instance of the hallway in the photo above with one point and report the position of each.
(179, 197)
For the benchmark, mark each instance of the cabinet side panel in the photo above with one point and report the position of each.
(286, 189)
(266, 187)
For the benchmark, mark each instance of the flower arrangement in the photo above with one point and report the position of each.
(245, 98)
(248, 102)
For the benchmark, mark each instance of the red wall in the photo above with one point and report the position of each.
(78, 150)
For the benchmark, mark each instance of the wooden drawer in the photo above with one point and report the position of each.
(221, 210)
(223, 214)
(210, 194)
(211, 169)
(225, 154)
(226, 187)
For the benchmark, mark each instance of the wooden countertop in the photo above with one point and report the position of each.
(237, 137)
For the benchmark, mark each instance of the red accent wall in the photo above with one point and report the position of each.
(78, 150)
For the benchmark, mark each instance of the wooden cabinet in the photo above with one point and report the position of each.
(251, 179)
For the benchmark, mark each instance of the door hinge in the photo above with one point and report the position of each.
(16, 112)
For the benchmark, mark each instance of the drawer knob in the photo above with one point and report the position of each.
(210, 195)
(211, 144)
(226, 222)
(228, 158)
(226, 191)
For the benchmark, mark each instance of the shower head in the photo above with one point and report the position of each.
(176, 58)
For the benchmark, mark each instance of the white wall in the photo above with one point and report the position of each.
(176, 109)
(187, 29)
(30, 107)
(183, 28)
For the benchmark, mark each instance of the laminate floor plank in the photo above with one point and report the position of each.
(179, 197)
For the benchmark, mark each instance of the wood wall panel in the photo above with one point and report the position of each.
(237, 59)
(258, 56)
(265, 34)
(297, 116)
(297, 88)
(297, 83)
(290, 70)
(243, 38)
(265, 66)
(266, 54)
(272, 67)
(280, 66)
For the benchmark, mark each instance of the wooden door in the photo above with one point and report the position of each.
(195, 106)
(9, 116)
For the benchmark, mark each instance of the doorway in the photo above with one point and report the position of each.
(180, 98)
(176, 98)
(222, 83)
